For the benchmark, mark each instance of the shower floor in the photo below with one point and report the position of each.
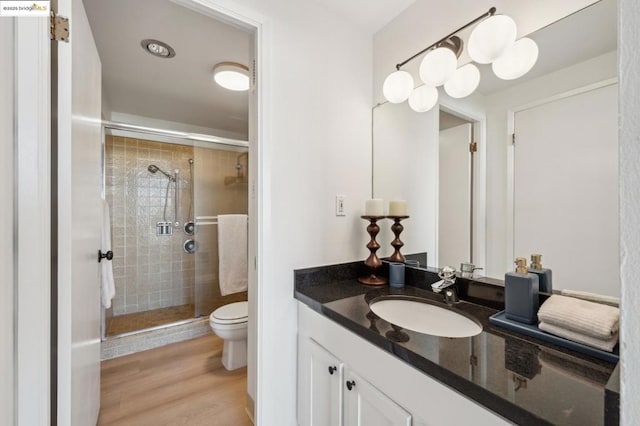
(146, 319)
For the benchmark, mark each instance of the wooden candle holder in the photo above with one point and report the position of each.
(373, 262)
(397, 244)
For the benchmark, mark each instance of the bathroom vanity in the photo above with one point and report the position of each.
(355, 368)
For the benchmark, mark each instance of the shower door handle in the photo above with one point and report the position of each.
(108, 255)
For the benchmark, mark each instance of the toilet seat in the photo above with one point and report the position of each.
(233, 313)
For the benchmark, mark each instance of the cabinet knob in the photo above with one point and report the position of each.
(351, 384)
(332, 369)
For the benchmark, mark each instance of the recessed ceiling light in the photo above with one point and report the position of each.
(232, 76)
(158, 48)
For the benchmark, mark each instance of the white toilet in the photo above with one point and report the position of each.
(230, 323)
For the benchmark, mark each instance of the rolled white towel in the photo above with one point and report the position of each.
(592, 297)
(588, 318)
(604, 344)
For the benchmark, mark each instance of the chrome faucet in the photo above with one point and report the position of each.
(448, 275)
(451, 296)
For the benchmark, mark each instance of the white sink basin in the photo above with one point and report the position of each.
(425, 318)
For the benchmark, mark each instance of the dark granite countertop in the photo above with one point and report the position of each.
(522, 379)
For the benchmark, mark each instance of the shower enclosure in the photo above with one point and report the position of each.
(165, 195)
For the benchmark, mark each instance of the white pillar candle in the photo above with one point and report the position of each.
(398, 208)
(374, 207)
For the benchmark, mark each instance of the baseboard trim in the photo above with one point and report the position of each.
(250, 409)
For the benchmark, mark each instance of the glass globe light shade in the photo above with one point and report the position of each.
(517, 60)
(438, 66)
(397, 86)
(463, 82)
(423, 98)
(491, 38)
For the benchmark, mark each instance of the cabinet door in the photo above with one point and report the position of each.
(321, 378)
(367, 406)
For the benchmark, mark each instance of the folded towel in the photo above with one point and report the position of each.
(588, 318)
(108, 287)
(604, 344)
(592, 297)
(232, 253)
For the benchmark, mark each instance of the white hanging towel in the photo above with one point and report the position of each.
(106, 268)
(232, 253)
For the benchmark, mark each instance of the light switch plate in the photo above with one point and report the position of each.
(340, 208)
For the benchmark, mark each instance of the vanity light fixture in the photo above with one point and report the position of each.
(232, 76)
(517, 60)
(493, 41)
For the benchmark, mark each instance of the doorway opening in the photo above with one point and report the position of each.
(457, 188)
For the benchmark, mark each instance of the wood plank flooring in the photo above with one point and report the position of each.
(181, 384)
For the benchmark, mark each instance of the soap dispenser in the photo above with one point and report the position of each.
(544, 275)
(521, 294)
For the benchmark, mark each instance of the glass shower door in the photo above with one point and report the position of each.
(220, 187)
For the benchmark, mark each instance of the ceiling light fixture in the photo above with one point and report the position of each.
(493, 41)
(232, 76)
(158, 48)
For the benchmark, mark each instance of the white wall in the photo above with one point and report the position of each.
(403, 139)
(629, 109)
(425, 22)
(317, 145)
(6, 221)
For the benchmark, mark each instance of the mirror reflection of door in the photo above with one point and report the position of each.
(566, 188)
(454, 189)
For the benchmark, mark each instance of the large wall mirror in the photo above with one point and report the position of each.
(543, 175)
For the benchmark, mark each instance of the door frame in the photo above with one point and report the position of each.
(32, 120)
(479, 207)
(32, 222)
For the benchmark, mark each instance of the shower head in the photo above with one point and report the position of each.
(154, 169)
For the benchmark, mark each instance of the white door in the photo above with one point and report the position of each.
(367, 406)
(566, 189)
(454, 193)
(80, 214)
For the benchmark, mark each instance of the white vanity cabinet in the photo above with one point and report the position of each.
(364, 405)
(320, 385)
(330, 394)
(384, 389)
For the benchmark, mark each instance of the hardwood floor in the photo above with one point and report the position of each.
(179, 384)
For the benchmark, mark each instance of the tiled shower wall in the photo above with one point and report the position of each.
(153, 271)
(150, 271)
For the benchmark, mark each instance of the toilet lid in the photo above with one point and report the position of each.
(231, 313)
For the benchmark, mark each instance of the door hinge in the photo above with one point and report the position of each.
(513, 138)
(473, 147)
(473, 360)
(59, 28)
(253, 72)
